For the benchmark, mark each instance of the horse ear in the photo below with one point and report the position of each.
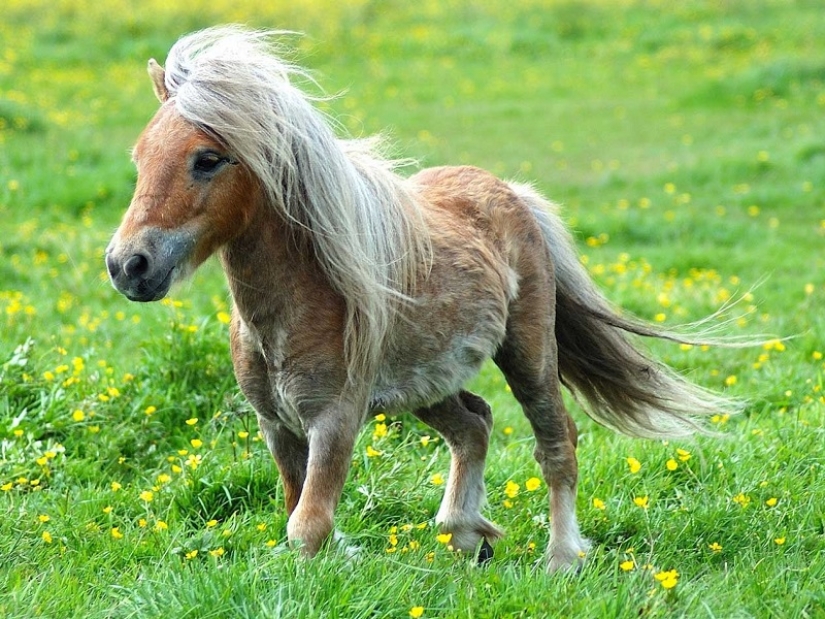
(158, 76)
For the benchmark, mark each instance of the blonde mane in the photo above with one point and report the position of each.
(366, 229)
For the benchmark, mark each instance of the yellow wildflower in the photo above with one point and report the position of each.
(668, 579)
(634, 465)
(380, 431)
(742, 499)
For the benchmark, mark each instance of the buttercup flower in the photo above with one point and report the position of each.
(634, 465)
(667, 579)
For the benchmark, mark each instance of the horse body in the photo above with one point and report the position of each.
(459, 312)
(357, 291)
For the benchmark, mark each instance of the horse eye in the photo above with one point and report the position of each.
(207, 163)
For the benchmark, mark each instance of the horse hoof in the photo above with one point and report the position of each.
(485, 553)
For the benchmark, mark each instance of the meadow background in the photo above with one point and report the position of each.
(686, 142)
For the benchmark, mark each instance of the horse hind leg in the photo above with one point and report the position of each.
(465, 422)
(529, 360)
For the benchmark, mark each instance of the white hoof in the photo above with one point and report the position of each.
(567, 557)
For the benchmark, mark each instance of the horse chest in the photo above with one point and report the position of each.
(285, 402)
(274, 392)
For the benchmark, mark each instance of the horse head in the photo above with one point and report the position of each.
(191, 197)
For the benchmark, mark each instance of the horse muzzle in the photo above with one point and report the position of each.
(145, 267)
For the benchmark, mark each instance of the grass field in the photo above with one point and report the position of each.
(686, 142)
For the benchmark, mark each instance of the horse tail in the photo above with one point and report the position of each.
(622, 387)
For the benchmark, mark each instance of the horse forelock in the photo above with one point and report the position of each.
(366, 228)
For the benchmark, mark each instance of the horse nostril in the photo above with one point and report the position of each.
(136, 266)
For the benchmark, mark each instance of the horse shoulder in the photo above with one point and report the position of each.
(287, 351)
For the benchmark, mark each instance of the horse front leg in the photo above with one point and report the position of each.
(289, 450)
(331, 437)
(291, 454)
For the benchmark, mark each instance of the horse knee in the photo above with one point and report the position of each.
(558, 463)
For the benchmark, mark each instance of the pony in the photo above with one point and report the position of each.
(357, 290)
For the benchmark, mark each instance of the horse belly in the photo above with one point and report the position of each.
(431, 361)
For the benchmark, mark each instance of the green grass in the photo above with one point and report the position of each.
(686, 145)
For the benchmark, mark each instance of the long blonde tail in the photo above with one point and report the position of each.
(622, 387)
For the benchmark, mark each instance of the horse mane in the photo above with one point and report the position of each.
(366, 230)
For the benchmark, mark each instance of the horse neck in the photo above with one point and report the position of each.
(265, 265)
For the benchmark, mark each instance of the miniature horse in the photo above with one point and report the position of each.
(356, 290)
